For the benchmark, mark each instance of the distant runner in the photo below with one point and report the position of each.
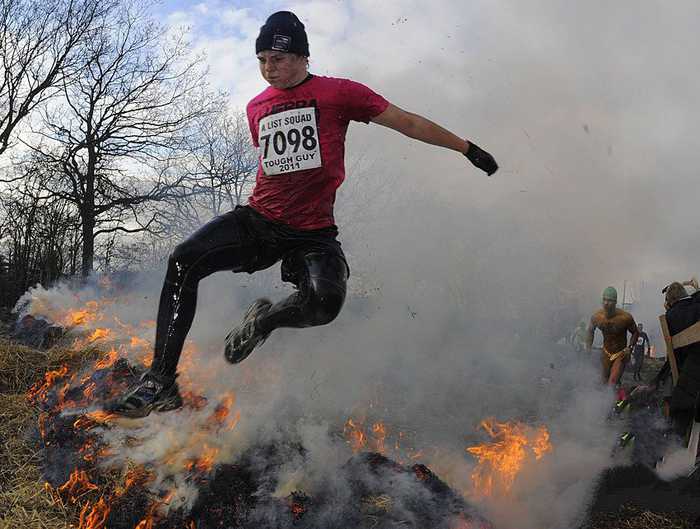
(638, 353)
(614, 323)
(298, 125)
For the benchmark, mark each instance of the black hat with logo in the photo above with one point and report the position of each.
(283, 31)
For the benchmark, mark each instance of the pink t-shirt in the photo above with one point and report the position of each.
(300, 136)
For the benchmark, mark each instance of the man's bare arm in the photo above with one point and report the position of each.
(420, 128)
(590, 332)
(634, 330)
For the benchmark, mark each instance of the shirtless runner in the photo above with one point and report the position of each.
(614, 323)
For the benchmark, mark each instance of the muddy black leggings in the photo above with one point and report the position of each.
(244, 241)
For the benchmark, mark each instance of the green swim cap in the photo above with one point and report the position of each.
(610, 293)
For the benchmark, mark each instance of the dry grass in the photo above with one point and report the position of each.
(21, 366)
(633, 518)
(24, 501)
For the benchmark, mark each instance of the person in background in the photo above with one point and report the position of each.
(638, 353)
(614, 323)
(682, 311)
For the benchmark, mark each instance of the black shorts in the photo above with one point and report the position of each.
(272, 241)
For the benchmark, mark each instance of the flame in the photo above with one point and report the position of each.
(39, 390)
(501, 460)
(541, 444)
(43, 417)
(378, 438)
(355, 435)
(297, 508)
(194, 401)
(136, 476)
(78, 484)
(89, 314)
(91, 451)
(90, 390)
(205, 463)
(379, 433)
(221, 413)
(109, 360)
(146, 523)
(195, 453)
(92, 419)
(139, 343)
(96, 518)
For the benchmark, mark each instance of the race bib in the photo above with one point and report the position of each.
(289, 141)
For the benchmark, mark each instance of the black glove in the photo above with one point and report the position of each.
(481, 159)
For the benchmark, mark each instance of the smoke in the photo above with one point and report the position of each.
(461, 285)
(434, 341)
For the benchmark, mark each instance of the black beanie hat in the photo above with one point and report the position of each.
(283, 31)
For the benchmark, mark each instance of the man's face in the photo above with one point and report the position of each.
(641, 327)
(280, 69)
(609, 305)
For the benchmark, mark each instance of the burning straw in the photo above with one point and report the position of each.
(23, 502)
(167, 472)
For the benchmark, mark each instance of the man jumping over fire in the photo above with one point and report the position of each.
(614, 323)
(298, 124)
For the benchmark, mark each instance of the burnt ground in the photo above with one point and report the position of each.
(633, 496)
(240, 494)
(369, 490)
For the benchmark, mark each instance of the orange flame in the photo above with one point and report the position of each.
(139, 343)
(88, 314)
(92, 419)
(500, 461)
(78, 484)
(39, 390)
(111, 357)
(96, 518)
(355, 435)
(135, 476)
(541, 444)
(146, 523)
(206, 461)
(379, 434)
(128, 342)
(221, 413)
(378, 438)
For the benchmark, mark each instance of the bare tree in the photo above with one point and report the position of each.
(40, 237)
(38, 53)
(128, 110)
(215, 176)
